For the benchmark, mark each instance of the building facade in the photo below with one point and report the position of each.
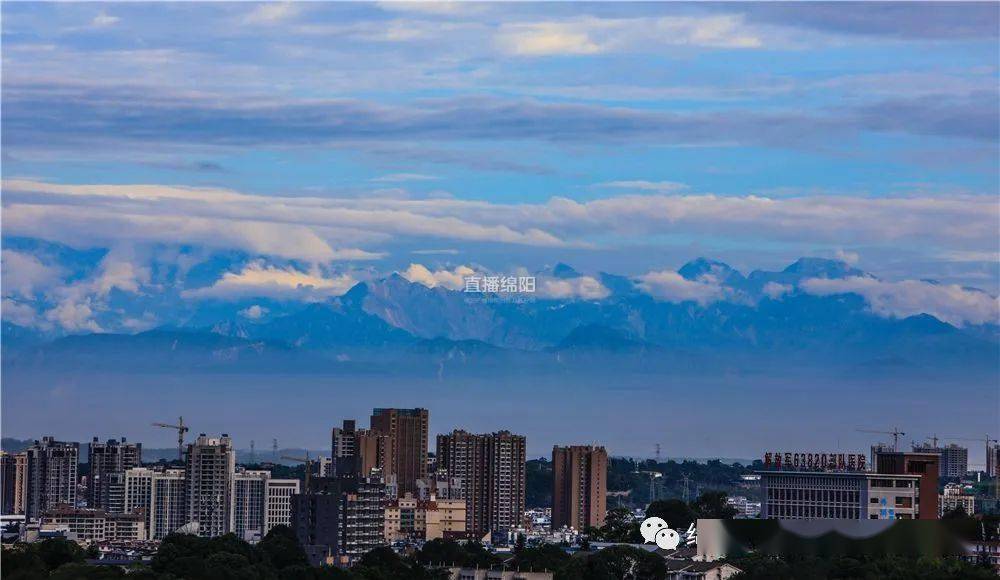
(953, 462)
(410, 518)
(94, 525)
(339, 519)
(924, 465)
(211, 464)
(52, 474)
(492, 470)
(108, 462)
(579, 486)
(838, 495)
(440, 485)
(249, 504)
(278, 497)
(407, 430)
(993, 460)
(13, 477)
(160, 494)
(954, 497)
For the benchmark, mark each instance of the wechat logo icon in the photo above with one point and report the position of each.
(656, 531)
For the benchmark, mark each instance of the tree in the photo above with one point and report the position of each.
(712, 505)
(281, 549)
(545, 557)
(520, 543)
(624, 563)
(618, 527)
(58, 551)
(675, 512)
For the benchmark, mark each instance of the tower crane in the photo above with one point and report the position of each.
(181, 430)
(308, 463)
(896, 434)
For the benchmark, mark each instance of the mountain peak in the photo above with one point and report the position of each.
(564, 271)
(702, 267)
(822, 268)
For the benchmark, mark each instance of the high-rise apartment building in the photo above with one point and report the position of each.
(13, 476)
(408, 431)
(492, 469)
(160, 494)
(250, 504)
(361, 451)
(209, 472)
(339, 519)
(108, 462)
(51, 475)
(579, 486)
(954, 462)
(278, 500)
(993, 460)
(441, 485)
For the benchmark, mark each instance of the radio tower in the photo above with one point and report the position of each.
(657, 453)
(274, 449)
(253, 457)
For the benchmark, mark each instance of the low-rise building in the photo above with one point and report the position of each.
(478, 574)
(409, 518)
(954, 497)
(838, 495)
(95, 525)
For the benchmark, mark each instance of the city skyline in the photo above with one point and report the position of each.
(744, 223)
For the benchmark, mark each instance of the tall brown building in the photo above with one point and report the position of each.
(13, 473)
(579, 486)
(492, 470)
(407, 430)
(926, 465)
(359, 451)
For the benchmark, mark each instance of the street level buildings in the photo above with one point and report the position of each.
(95, 525)
(579, 486)
(954, 497)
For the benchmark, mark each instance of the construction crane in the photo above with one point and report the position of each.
(896, 434)
(181, 430)
(308, 463)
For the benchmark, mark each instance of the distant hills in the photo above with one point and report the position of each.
(760, 316)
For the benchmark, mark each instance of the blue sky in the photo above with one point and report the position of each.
(630, 137)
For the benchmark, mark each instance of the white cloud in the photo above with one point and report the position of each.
(19, 313)
(25, 275)
(589, 35)
(849, 258)
(258, 279)
(585, 287)
(254, 312)
(672, 287)
(640, 185)
(74, 316)
(402, 177)
(774, 290)
(322, 229)
(273, 13)
(451, 279)
(947, 302)
(104, 20)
